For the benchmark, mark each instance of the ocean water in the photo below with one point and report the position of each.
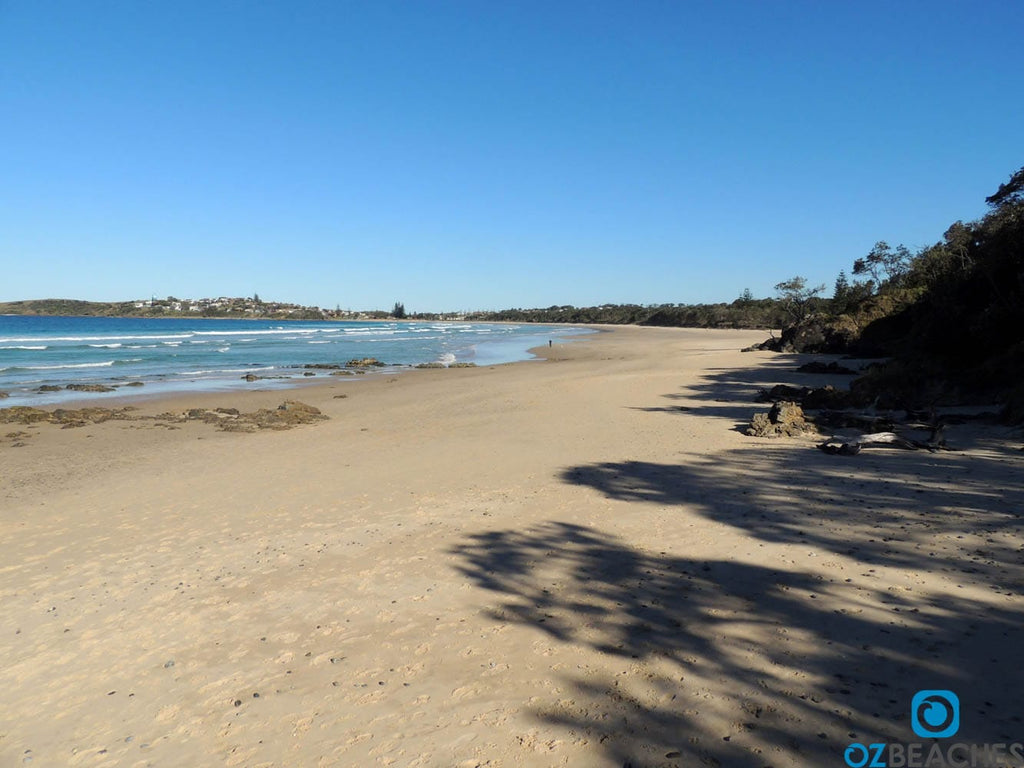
(183, 354)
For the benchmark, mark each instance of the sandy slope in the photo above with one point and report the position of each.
(576, 562)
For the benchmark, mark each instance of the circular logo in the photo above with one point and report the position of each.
(935, 714)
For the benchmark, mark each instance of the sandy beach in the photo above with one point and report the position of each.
(581, 561)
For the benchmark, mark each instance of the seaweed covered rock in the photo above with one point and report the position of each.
(67, 417)
(365, 362)
(290, 413)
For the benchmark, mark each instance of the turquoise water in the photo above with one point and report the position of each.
(179, 354)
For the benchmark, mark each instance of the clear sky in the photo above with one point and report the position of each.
(490, 154)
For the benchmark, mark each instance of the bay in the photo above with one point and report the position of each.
(200, 354)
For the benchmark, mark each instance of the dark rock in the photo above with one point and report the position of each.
(323, 366)
(251, 377)
(90, 388)
(3, 395)
(462, 365)
(365, 362)
(430, 365)
(771, 345)
(781, 392)
(135, 384)
(825, 397)
(864, 422)
(48, 388)
(309, 373)
(342, 373)
(817, 366)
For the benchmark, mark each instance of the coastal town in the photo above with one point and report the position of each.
(222, 307)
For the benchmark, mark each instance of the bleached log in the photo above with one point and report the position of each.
(851, 446)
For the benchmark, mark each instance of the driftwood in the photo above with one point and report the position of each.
(851, 446)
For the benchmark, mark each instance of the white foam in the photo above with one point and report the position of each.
(41, 346)
(223, 370)
(106, 364)
(274, 332)
(29, 339)
(106, 346)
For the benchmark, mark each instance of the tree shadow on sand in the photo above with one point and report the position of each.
(770, 661)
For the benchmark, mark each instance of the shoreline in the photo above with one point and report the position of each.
(279, 369)
(138, 397)
(584, 562)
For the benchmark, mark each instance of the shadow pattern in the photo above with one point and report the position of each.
(771, 662)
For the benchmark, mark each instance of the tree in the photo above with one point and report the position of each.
(1008, 193)
(399, 311)
(884, 264)
(795, 297)
(841, 292)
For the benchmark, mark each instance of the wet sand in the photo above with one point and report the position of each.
(581, 561)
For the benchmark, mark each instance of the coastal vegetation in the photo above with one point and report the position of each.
(949, 319)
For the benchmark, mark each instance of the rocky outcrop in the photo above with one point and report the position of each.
(816, 334)
(784, 419)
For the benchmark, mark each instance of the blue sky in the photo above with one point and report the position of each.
(480, 155)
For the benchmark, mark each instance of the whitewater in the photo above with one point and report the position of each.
(40, 356)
